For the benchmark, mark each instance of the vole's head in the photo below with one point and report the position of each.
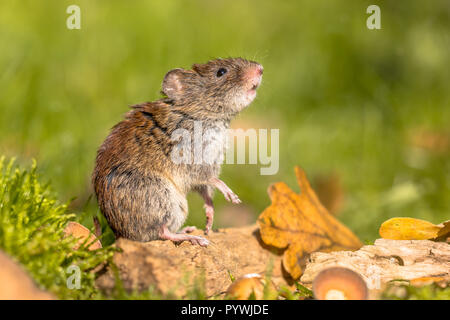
(220, 86)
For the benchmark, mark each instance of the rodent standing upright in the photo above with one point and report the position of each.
(140, 189)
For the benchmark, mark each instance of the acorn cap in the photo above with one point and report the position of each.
(339, 283)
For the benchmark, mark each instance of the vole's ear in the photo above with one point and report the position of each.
(201, 69)
(173, 85)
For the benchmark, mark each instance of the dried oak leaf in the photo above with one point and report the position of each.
(302, 225)
(413, 229)
(83, 234)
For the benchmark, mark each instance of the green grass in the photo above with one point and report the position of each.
(346, 99)
(407, 292)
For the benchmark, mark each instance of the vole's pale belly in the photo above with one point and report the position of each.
(214, 142)
(206, 156)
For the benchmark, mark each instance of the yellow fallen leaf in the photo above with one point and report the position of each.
(424, 281)
(444, 233)
(412, 229)
(302, 225)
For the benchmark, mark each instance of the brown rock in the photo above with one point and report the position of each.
(165, 265)
(16, 284)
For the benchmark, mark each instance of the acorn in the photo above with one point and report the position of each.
(251, 286)
(339, 283)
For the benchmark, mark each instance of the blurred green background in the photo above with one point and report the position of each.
(365, 112)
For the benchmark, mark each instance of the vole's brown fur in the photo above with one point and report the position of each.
(140, 189)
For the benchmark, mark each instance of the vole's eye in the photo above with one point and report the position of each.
(221, 72)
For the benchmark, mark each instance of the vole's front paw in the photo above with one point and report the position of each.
(235, 199)
(232, 197)
(226, 191)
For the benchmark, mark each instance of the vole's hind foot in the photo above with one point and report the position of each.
(179, 237)
(187, 230)
(195, 240)
(202, 242)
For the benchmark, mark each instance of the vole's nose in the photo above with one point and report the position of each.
(255, 72)
(260, 69)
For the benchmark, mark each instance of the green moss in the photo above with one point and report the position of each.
(31, 231)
